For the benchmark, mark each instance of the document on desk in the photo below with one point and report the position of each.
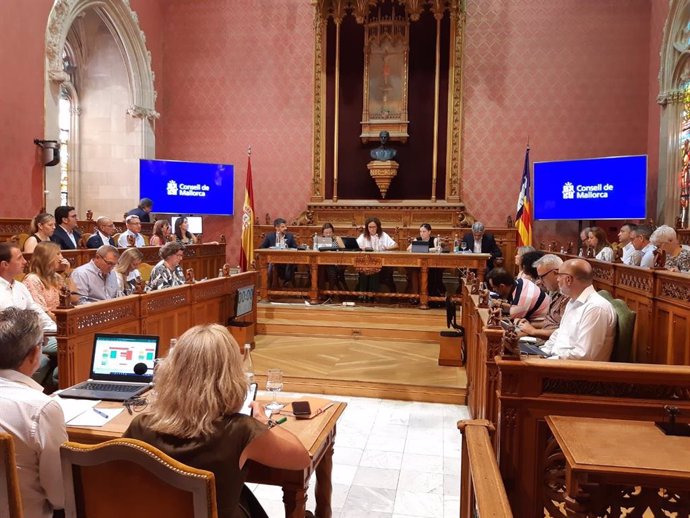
(72, 408)
(83, 412)
(95, 417)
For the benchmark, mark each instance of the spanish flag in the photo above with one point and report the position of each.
(523, 218)
(247, 250)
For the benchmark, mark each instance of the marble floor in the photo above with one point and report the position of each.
(393, 459)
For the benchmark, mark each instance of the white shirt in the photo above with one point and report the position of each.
(37, 426)
(648, 256)
(375, 242)
(17, 295)
(605, 254)
(104, 238)
(123, 243)
(587, 329)
(70, 235)
(477, 246)
(628, 251)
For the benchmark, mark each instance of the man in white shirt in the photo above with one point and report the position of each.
(15, 294)
(588, 325)
(625, 240)
(133, 229)
(644, 250)
(34, 420)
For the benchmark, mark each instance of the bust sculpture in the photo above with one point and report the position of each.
(383, 152)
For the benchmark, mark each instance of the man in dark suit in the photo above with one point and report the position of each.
(66, 234)
(104, 234)
(479, 241)
(281, 238)
(143, 210)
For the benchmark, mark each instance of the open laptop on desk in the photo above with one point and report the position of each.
(350, 244)
(420, 247)
(532, 346)
(121, 367)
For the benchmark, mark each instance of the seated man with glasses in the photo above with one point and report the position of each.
(588, 326)
(96, 279)
(168, 272)
(547, 268)
(525, 299)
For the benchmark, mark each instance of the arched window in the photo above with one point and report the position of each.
(68, 113)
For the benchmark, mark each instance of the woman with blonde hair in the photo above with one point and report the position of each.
(45, 280)
(161, 232)
(200, 389)
(601, 245)
(126, 270)
(677, 257)
(42, 227)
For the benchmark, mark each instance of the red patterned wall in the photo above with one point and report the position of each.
(572, 75)
(236, 74)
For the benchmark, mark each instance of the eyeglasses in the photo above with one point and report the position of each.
(541, 277)
(135, 404)
(109, 263)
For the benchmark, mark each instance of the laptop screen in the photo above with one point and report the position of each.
(116, 356)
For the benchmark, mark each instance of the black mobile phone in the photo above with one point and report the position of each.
(251, 396)
(301, 409)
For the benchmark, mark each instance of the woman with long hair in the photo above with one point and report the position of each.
(161, 232)
(375, 239)
(194, 418)
(126, 270)
(182, 234)
(42, 227)
(601, 245)
(44, 280)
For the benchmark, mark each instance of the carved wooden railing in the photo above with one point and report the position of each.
(531, 467)
(482, 491)
(165, 313)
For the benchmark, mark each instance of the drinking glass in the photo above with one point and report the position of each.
(463, 246)
(274, 384)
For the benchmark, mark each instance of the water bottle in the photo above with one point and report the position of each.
(314, 240)
(438, 243)
(456, 244)
(247, 364)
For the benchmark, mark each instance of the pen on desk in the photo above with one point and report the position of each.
(325, 407)
(271, 424)
(101, 413)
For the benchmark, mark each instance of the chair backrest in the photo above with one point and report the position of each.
(10, 498)
(127, 477)
(625, 328)
(19, 239)
(145, 271)
(84, 239)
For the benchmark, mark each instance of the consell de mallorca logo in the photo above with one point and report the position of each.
(571, 192)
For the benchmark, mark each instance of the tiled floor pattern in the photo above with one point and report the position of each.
(393, 459)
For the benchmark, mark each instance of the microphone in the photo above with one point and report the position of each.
(140, 368)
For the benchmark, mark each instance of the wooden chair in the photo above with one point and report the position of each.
(84, 239)
(127, 477)
(116, 236)
(10, 498)
(19, 240)
(625, 328)
(145, 271)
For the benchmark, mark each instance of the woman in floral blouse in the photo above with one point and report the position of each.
(677, 257)
(168, 272)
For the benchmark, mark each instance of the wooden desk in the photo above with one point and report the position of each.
(317, 435)
(601, 455)
(362, 261)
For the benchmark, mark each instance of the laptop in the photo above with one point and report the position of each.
(121, 368)
(531, 347)
(350, 243)
(420, 247)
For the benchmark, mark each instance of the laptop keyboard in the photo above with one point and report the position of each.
(110, 387)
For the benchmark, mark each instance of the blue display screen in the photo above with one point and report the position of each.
(187, 187)
(593, 188)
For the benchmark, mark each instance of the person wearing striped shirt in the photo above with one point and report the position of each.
(525, 300)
